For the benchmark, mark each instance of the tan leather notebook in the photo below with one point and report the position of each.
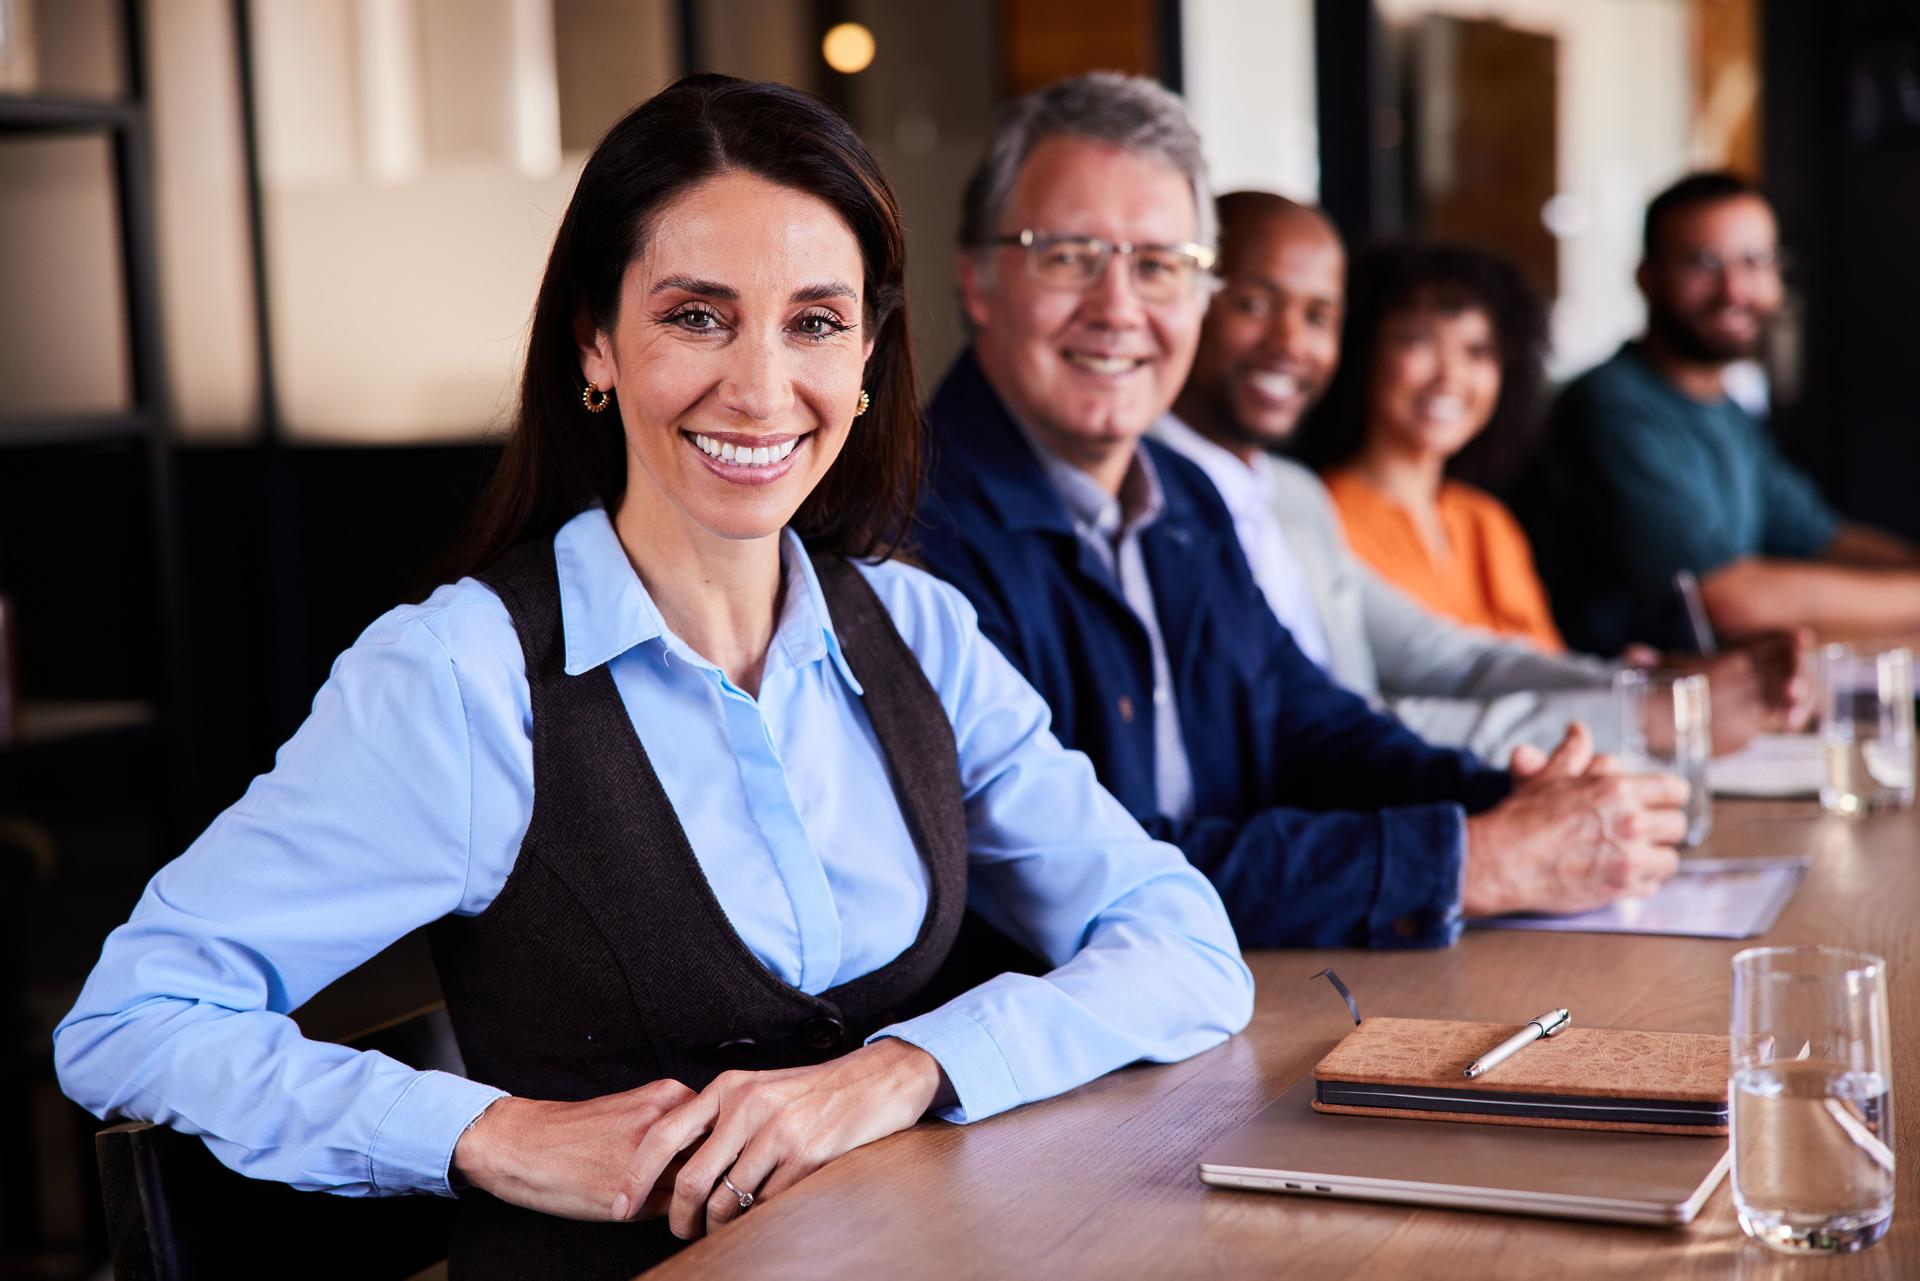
(1586, 1078)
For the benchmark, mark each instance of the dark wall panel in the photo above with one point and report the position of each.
(1842, 142)
(368, 522)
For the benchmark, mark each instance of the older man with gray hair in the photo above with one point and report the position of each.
(1108, 569)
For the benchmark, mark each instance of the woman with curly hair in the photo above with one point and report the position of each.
(1438, 395)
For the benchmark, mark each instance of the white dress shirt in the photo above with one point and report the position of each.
(1249, 492)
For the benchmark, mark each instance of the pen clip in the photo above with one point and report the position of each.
(1554, 1022)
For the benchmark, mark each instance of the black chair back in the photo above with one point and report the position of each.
(174, 1213)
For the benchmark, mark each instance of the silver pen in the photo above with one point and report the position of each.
(1552, 1023)
(1688, 586)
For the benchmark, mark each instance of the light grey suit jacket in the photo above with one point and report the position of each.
(1451, 684)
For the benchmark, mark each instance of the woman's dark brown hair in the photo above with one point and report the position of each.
(1389, 279)
(560, 459)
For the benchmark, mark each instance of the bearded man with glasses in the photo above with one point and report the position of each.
(1652, 470)
(1108, 569)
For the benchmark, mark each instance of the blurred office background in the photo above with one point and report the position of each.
(266, 266)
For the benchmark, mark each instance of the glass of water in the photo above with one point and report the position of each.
(1866, 727)
(1812, 1099)
(1666, 724)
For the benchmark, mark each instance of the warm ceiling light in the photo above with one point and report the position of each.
(848, 48)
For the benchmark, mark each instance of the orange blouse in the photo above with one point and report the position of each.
(1488, 581)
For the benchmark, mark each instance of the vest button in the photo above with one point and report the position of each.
(738, 1050)
(822, 1032)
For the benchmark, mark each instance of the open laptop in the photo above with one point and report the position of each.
(1658, 1179)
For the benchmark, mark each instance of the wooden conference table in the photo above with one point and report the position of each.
(1102, 1182)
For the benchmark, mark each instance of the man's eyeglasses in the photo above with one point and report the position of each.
(1161, 273)
(1760, 262)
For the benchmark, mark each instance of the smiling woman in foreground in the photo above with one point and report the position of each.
(686, 775)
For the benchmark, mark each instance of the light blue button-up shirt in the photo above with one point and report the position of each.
(406, 794)
(1112, 533)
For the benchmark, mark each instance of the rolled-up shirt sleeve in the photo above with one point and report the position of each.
(1146, 965)
(359, 834)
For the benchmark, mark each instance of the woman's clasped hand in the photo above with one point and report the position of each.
(664, 1150)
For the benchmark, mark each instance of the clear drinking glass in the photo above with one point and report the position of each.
(1866, 726)
(1812, 1099)
(1666, 724)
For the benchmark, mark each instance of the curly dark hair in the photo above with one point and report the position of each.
(1388, 279)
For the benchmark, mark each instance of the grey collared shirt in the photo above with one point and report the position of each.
(1111, 528)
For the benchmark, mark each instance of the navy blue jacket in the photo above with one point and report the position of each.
(1321, 822)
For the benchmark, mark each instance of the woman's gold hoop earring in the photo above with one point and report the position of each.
(593, 390)
(865, 400)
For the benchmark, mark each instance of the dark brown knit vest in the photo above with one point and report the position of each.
(606, 962)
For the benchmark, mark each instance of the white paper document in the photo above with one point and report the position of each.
(1774, 766)
(1716, 898)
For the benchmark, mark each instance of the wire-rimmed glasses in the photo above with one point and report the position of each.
(1161, 273)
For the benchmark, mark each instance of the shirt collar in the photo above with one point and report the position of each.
(1635, 351)
(605, 609)
(1092, 508)
(977, 445)
(1247, 489)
